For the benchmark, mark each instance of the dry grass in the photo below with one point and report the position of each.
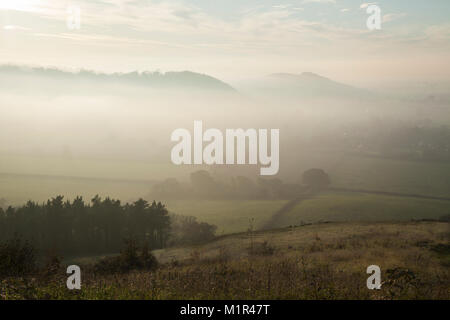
(323, 261)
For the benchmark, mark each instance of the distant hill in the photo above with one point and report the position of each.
(184, 79)
(308, 85)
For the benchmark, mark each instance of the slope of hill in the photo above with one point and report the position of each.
(325, 235)
(11, 75)
(306, 85)
(320, 261)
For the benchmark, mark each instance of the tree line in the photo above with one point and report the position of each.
(76, 227)
(203, 185)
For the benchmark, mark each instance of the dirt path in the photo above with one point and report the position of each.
(284, 210)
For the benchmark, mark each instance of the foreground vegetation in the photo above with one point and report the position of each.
(319, 261)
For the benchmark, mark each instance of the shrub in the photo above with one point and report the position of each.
(52, 264)
(129, 259)
(147, 260)
(262, 249)
(17, 258)
(187, 230)
(316, 178)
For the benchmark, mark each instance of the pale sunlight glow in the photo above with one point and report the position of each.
(18, 5)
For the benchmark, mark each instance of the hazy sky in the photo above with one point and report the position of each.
(233, 39)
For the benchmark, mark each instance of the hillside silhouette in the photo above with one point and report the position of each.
(12, 75)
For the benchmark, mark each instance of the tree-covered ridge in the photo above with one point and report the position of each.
(155, 79)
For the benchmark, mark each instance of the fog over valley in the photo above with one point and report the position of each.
(118, 126)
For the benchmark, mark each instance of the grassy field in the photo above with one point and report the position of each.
(91, 167)
(40, 177)
(235, 216)
(320, 261)
(228, 215)
(362, 207)
(17, 189)
(427, 178)
(358, 172)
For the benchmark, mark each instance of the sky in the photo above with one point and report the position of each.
(233, 39)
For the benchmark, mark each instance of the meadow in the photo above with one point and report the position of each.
(392, 175)
(342, 206)
(38, 178)
(317, 249)
(319, 261)
(42, 177)
(373, 173)
(230, 216)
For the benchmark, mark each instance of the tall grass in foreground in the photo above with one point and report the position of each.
(326, 261)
